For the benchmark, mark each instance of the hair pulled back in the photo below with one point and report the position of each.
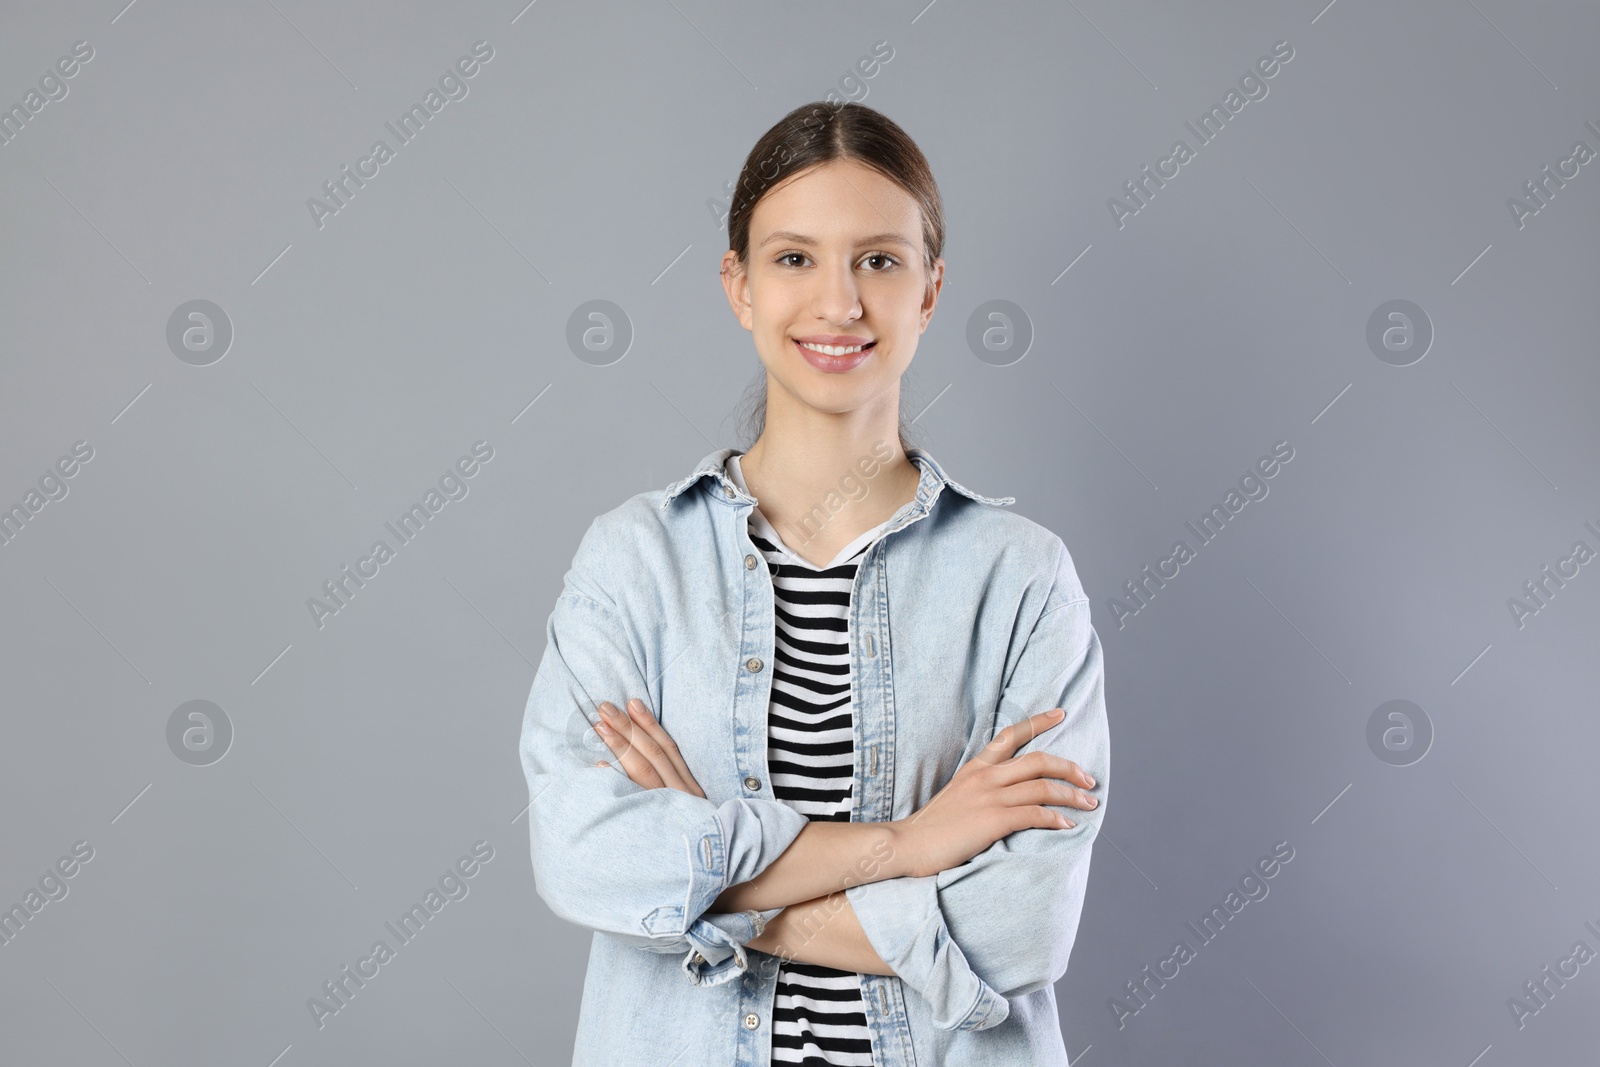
(818, 133)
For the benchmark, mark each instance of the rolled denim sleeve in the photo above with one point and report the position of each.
(641, 865)
(1003, 924)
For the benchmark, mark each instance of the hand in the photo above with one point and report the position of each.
(992, 795)
(644, 751)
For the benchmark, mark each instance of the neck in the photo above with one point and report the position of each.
(827, 477)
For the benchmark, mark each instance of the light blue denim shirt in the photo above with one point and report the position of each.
(965, 618)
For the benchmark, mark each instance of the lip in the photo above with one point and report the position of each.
(834, 364)
(845, 339)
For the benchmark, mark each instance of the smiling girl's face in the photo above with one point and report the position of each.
(836, 259)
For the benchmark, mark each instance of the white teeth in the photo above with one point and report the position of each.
(832, 350)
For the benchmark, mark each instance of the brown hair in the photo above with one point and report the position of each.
(818, 133)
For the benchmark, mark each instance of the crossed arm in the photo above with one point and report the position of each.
(824, 931)
(818, 924)
(814, 921)
(998, 926)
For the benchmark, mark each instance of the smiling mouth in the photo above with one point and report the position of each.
(837, 350)
(835, 359)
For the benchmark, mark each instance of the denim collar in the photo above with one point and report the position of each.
(929, 486)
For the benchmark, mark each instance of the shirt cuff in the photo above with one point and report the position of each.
(746, 837)
(901, 918)
(718, 939)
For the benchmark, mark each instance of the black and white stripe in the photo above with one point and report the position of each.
(819, 1016)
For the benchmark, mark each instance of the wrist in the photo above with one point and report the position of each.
(771, 936)
(895, 856)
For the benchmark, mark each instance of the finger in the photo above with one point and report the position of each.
(1040, 763)
(1076, 773)
(641, 715)
(635, 763)
(1049, 818)
(1013, 737)
(1029, 816)
(1060, 767)
(1043, 765)
(635, 766)
(647, 747)
(1049, 791)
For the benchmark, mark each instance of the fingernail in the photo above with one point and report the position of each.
(1091, 780)
(1055, 713)
(605, 730)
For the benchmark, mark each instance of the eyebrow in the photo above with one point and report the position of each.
(802, 239)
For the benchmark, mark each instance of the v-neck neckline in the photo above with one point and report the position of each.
(768, 531)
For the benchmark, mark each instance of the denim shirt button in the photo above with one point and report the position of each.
(753, 664)
(749, 563)
(751, 1021)
(752, 783)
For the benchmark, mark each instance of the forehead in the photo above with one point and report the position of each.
(838, 201)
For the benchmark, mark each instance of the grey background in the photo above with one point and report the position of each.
(1230, 313)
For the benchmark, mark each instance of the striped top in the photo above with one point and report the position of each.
(818, 1016)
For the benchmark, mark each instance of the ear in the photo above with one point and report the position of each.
(736, 283)
(930, 296)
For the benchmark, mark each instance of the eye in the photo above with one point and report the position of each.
(889, 262)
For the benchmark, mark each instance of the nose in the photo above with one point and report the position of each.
(837, 298)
